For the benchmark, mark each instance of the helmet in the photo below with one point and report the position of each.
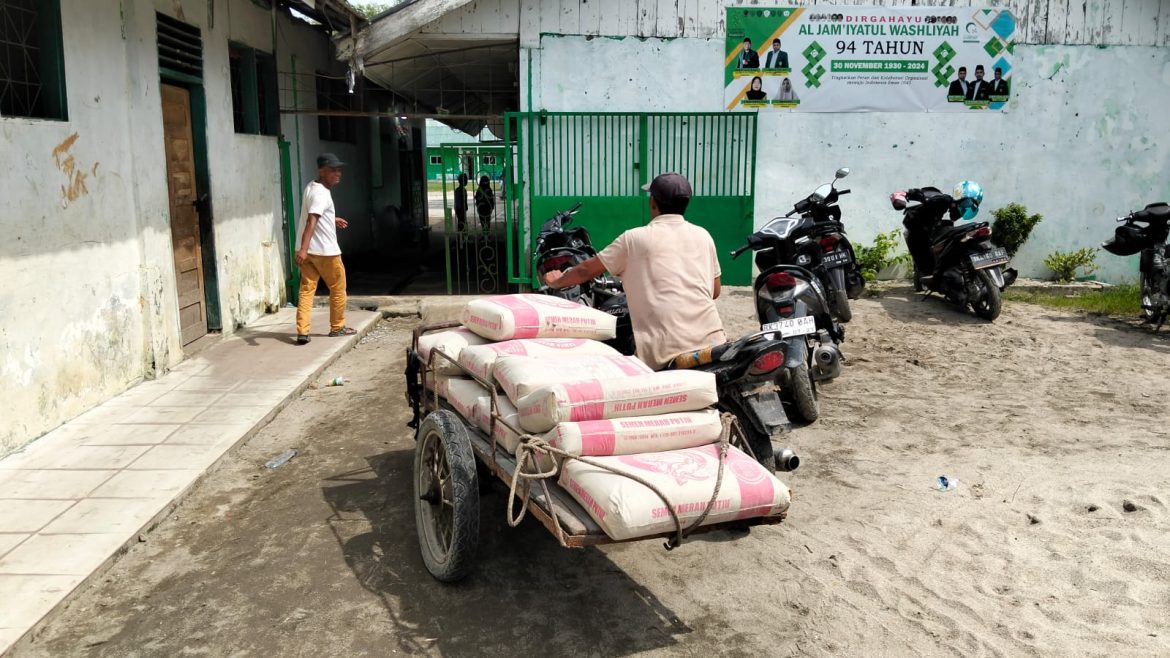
(968, 195)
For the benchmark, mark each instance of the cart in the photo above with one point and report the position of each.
(452, 455)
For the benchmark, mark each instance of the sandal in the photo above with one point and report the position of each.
(344, 331)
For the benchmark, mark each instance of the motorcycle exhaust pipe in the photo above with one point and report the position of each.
(786, 460)
(826, 362)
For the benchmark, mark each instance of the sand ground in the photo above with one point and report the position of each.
(1055, 542)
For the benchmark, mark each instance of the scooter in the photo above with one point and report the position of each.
(817, 242)
(956, 260)
(791, 301)
(1146, 231)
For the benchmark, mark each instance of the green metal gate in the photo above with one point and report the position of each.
(602, 159)
(472, 250)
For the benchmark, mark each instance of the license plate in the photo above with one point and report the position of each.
(792, 326)
(997, 256)
(836, 258)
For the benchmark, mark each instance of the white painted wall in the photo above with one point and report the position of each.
(89, 307)
(1083, 141)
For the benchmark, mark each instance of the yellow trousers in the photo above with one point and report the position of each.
(316, 268)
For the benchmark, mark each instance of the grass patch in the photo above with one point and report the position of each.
(1122, 300)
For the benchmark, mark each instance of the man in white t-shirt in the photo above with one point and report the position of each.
(319, 255)
(671, 275)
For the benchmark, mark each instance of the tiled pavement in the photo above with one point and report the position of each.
(75, 497)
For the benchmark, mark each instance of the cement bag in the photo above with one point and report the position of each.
(627, 509)
(439, 384)
(631, 436)
(663, 392)
(451, 342)
(504, 436)
(463, 394)
(520, 375)
(479, 360)
(504, 317)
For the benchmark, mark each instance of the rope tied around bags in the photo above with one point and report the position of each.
(532, 446)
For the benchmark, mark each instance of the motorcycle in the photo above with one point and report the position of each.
(817, 242)
(791, 300)
(1154, 267)
(745, 369)
(561, 249)
(956, 261)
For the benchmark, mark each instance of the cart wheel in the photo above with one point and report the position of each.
(446, 494)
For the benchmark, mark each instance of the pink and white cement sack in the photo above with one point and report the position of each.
(451, 342)
(664, 392)
(520, 375)
(626, 509)
(439, 383)
(480, 359)
(504, 436)
(463, 394)
(631, 436)
(504, 317)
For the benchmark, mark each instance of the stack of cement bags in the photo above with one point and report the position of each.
(581, 396)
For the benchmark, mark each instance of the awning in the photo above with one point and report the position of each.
(441, 73)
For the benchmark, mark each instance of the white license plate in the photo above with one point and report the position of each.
(997, 256)
(792, 326)
(836, 258)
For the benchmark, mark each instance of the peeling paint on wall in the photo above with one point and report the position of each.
(75, 176)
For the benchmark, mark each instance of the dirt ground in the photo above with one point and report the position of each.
(1054, 543)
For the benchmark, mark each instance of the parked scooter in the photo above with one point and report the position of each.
(561, 249)
(791, 301)
(817, 242)
(745, 369)
(956, 261)
(1146, 231)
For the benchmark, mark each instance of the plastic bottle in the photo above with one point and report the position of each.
(944, 483)
(282, 458)
(337, 381)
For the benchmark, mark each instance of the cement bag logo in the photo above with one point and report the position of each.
(682, 466)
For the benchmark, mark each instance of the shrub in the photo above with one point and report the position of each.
(881, 255)
(1012, 226)
(1064, 264)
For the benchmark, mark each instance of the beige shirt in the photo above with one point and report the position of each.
(669, 268)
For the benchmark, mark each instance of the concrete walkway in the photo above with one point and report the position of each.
(74, 498)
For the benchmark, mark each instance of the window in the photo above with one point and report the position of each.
(489, 159)
(254, 98)
(333, 94)
(32, 62)
(436, 159)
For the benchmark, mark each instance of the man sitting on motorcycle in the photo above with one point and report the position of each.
(670, 272)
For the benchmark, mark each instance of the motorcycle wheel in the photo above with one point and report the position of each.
(804, 395)
(1147, 293)
(918, 287)
(841, 306)
(989, 304)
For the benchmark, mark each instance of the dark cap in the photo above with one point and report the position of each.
(329, 160)
(666, 188)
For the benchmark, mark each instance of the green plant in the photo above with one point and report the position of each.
(876, 258)
(1012, 226)
(1064, 264)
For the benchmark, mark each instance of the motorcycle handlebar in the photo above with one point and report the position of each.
(843, 192)
(735, 254)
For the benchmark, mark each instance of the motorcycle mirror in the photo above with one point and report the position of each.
(842, 172)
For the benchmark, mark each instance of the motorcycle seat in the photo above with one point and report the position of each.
(1153, 212)
(950, 232)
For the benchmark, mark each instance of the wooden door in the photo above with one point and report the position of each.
(180, 152)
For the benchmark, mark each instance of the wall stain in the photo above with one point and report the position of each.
(75, 176)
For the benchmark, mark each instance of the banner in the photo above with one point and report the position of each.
(868, 59)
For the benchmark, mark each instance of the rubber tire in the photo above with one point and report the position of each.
(841, 306)
(918, 287)
(454, 563)
(804, 394)
(990, 310)
(1146, 290)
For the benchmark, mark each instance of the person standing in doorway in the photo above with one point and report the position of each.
(461, 203)
(485, 202)
(319, 255)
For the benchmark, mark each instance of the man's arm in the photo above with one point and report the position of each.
(577, 275)
(310, 226)
(718, 288)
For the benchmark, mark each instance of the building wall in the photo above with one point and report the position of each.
(89, 307)
(1083, 139)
